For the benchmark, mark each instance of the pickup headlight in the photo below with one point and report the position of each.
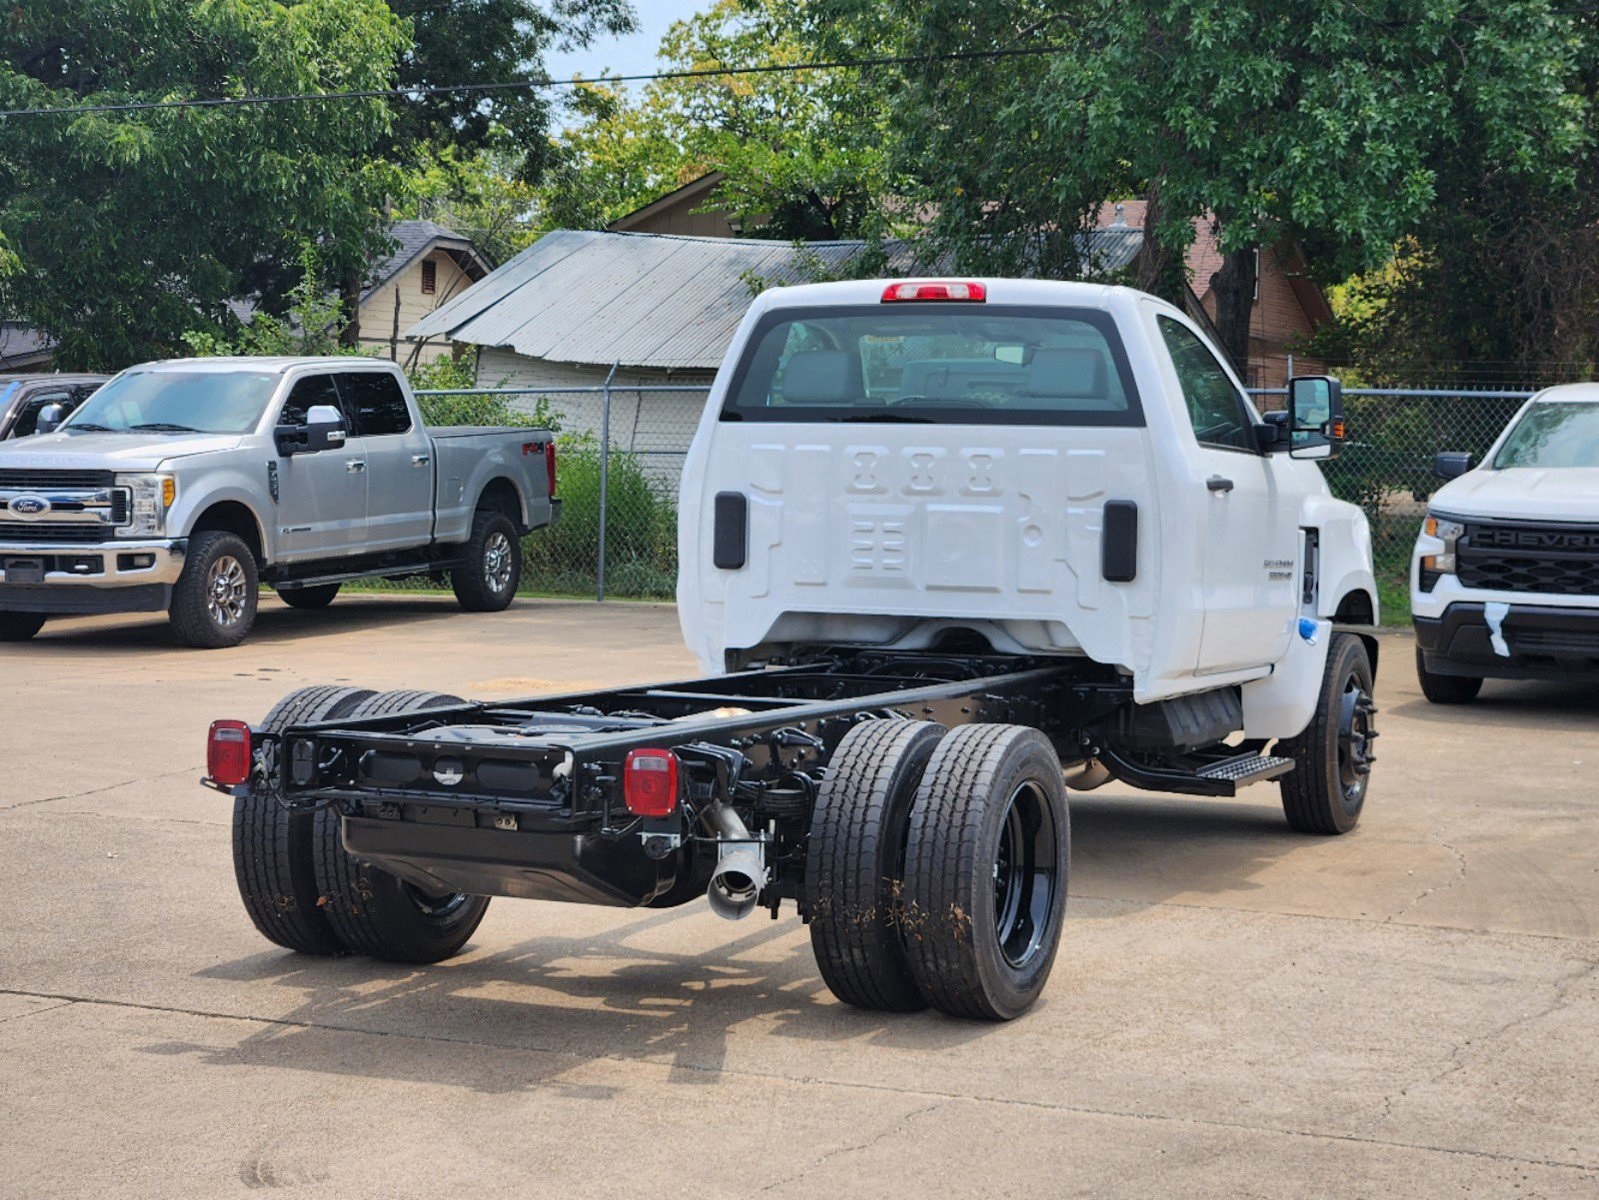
(151, 497)
(1447, 531)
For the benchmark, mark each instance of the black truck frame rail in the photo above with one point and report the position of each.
(526, 798)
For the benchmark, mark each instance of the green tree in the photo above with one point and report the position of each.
(129, 228)
(802, 152)
(1321, 120)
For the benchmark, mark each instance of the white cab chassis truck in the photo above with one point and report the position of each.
(1504, 580)
(947, 548)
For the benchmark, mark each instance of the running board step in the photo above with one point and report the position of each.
(1221, 777)
(1247, 769)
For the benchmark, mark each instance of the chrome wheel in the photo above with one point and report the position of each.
(227, 591)
(497, 560)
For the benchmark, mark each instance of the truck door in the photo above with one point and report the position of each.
(399, 460)
(321, 510)
(1248, 527)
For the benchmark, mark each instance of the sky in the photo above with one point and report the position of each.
(631, 55)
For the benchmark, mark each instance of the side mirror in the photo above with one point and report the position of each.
(1452, 464)
(1315, 417)
(324, 429)
(50, 417)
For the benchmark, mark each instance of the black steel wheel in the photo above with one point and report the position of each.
(487, 582)
(987, 855)
(377, 913)
(855, 862)
(309, 597)
(1446, 689)
(20, 626)
(272, 846)
(214, 600)
(1333, 757)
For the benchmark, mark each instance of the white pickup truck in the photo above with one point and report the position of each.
(1504, 581)
(947, 549)
(181, 486)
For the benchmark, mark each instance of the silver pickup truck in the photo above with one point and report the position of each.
(182, 486)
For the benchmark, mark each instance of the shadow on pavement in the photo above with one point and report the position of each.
(576, 998)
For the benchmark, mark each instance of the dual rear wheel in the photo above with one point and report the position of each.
(305, 892)
(937, 868)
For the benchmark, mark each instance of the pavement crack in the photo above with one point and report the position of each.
(110, 787)
(33, 1012)
(806, 1081)
(1455, 1060)
(1457, 877)
(898, 1126)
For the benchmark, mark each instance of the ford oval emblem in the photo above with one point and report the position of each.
(28, 507)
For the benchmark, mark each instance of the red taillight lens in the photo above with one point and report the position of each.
(549, 463)
(946, 290)
(227, 753)
(649, 782)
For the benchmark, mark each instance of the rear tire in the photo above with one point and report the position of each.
(214, 600)
(372, 911)
(487, 583)
(986, 863)
(272, 859)
(1326, 790)
(1446, 689)
(20, 626)
(309, 597)
(855, 863)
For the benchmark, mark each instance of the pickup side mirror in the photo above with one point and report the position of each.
(1452, 464)
(324, 429)
(50, 417)
(1315, 417)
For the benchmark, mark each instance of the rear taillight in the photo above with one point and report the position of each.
(940, 290)
(649, 782)
(549, 463)
(227, 753)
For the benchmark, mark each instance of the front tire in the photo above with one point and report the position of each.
(986, 862)
(214, 600)
(855, 863)
(1446, 689)
(487, 582)
(20, 626)
(309, 597)
(272, 859)
(372, 911)
(1326, 790)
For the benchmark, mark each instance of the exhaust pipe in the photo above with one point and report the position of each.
(740, 872)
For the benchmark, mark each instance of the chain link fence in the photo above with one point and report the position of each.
(619, 458)
(617, 536)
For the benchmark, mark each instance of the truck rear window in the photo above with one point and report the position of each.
(936, 363)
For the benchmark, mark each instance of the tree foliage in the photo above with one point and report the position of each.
(802, 152)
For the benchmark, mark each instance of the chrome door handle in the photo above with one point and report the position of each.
(1217, 484)
(420, 460)
(354, 464)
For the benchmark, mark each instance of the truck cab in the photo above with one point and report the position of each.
(1050, 468)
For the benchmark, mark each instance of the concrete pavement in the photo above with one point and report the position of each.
(1236, 1010)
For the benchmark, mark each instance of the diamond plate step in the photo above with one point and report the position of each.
(1247, 768)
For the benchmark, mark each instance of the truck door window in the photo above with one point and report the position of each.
(375, 403)
(1215, 407)
(306, 395)
(28, 419)
(935, 363)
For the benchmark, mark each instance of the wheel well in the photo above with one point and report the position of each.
(501, 496)
(1358, 608)
(229, 516)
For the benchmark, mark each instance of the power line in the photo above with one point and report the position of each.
(457, 89)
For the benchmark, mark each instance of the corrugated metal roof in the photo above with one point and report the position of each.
(643, 300)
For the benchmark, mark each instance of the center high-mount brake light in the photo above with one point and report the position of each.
(940, 290)
(227, 753)
(649, 782)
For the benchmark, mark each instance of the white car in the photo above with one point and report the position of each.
(1504, 581)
